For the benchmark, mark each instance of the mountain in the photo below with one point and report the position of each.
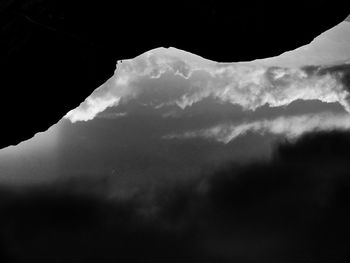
(329, 47)
(189, 114)
(52, 48)
(177, 158)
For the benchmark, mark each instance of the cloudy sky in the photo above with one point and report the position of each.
(189, 114)
(239, 161)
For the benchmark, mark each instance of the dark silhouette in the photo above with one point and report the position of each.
(293, 208)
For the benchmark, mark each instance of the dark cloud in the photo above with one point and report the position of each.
(343, 72)
(310, 70)
(292, 208)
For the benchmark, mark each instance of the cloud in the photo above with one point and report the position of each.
(91, 107)
(291, 127)
(256, 212)
(184, 79)
(111, 115)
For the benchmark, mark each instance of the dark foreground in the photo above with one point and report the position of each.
(293, 208)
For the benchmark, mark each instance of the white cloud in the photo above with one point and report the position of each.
(249, 86)
(91, 107)
(290, 127)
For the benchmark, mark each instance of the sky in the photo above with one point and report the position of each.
(189, 114)
(201, 160)
(327, 48)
